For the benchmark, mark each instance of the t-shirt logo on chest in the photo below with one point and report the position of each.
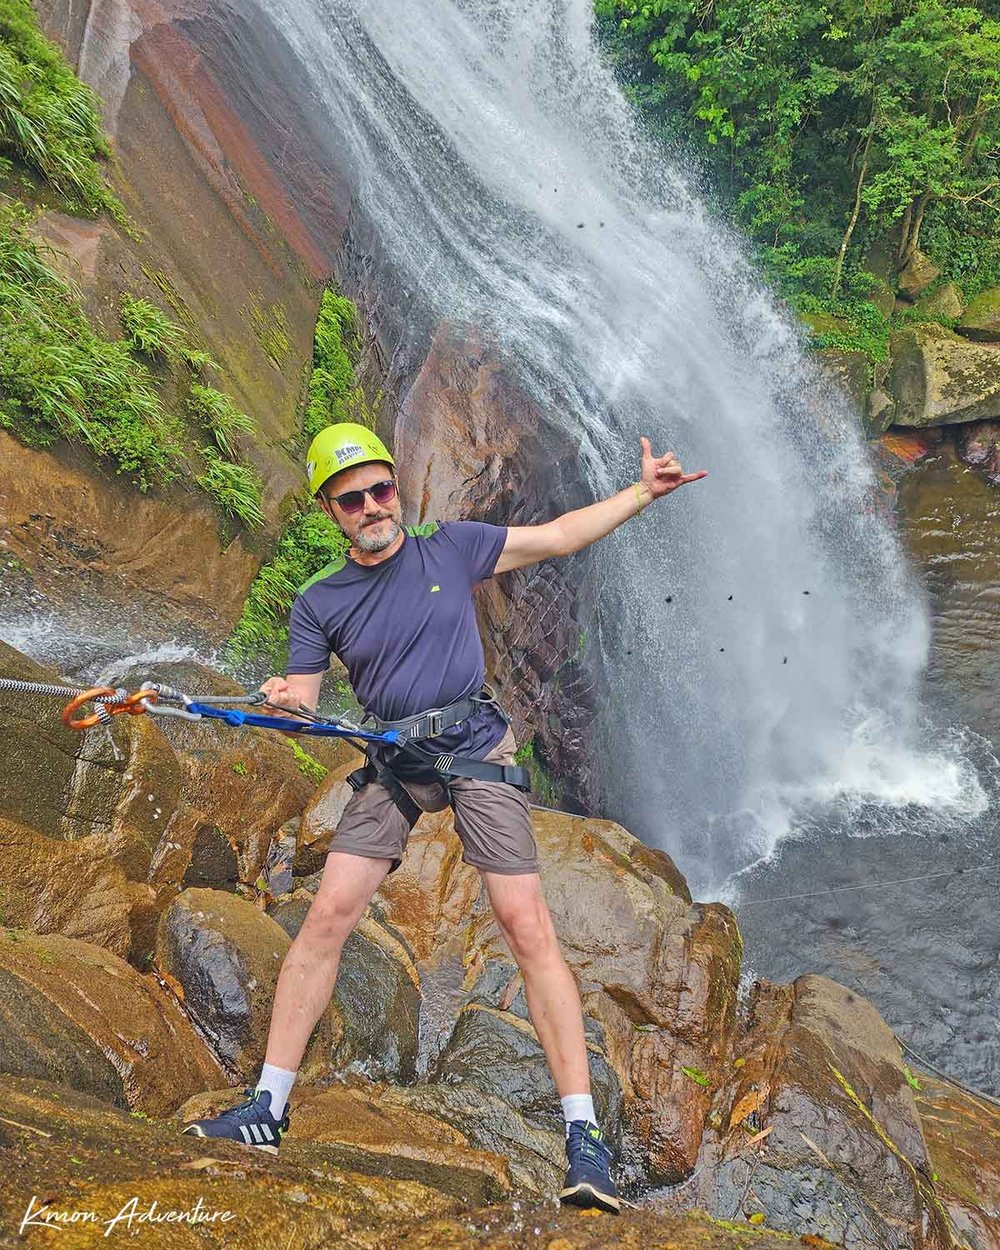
(435, 588)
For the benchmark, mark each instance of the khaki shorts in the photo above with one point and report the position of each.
(491, 819)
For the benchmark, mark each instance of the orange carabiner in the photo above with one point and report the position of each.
(132, 704)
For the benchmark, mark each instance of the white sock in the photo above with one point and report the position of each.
(578, 1107)
(278, 1082)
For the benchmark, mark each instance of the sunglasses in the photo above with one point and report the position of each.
(354, 500)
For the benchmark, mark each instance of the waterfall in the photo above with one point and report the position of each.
(759, 632)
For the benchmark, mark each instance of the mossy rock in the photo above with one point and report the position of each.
(981, 320)
(821, 324)
(917, 275)
(939, 378)
(945, 300)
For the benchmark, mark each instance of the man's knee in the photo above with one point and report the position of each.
(526, 925)
(347, 887)
(330, 922)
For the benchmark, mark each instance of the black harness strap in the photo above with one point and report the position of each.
(429, 725)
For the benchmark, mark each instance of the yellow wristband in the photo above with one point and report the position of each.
(639, 505)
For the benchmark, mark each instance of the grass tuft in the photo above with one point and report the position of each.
(217, 414)
(58, 379)
(236, 488)
(148, 329)
(308, 543)
(50, 120)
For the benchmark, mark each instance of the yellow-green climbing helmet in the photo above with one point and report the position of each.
(342, 446)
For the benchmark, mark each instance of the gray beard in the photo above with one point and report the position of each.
(368, 543)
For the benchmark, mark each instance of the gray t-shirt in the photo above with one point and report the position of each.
(406, 629)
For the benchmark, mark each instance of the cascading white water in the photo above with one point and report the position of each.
(758, 629)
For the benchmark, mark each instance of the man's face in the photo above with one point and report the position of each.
(376, 526)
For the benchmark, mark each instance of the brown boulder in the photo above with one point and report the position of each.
(74, 1013)
(851, 371)
(939, 378)
(360, 1128)
(74, 889)
(61, 517)
(120, 784)
(377, 996)
(239, 784)
(658, 976)
(917, 275)
(221, 956)
(363, 1130)
(945, 300)
(844, 1157)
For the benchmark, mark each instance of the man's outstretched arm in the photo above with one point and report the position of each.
(527, 544)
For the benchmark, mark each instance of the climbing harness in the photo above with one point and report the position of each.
(430, 724)
(393, 738)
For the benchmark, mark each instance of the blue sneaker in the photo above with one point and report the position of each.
(588, 1182)
(250, 1123)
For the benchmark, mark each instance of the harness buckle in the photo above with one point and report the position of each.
(435, 724)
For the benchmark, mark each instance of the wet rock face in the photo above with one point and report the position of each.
(472, 445)
(221, 956)
(115, 822)
(961, 1134)
(378, 996)
(60, 516)
(238, 208)
(658, 979)
(367, 1173)
(78, 1015)
(845, 1157)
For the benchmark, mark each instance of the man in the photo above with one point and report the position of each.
(398, 611)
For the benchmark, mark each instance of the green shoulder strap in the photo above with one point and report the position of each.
(335, 565)
(423, 531)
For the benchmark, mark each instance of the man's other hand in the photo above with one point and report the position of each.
(662, 474)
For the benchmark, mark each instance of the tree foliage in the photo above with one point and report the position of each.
(831, 126)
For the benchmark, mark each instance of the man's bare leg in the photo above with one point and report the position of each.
(309, 972)
(549, 986)
(554, 1005)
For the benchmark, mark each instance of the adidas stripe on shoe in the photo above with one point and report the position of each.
(249, 1123)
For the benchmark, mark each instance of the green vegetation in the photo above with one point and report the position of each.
(270, 326)
(236, 488)
(58, 379)
(309, 540)
(307, 766)
(217, 414)
(49, 120)
(542, 784)
(333, 391)
(836, 133)
(307, 544)
(148, 329)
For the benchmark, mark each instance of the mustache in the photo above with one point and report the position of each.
(376, 519)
